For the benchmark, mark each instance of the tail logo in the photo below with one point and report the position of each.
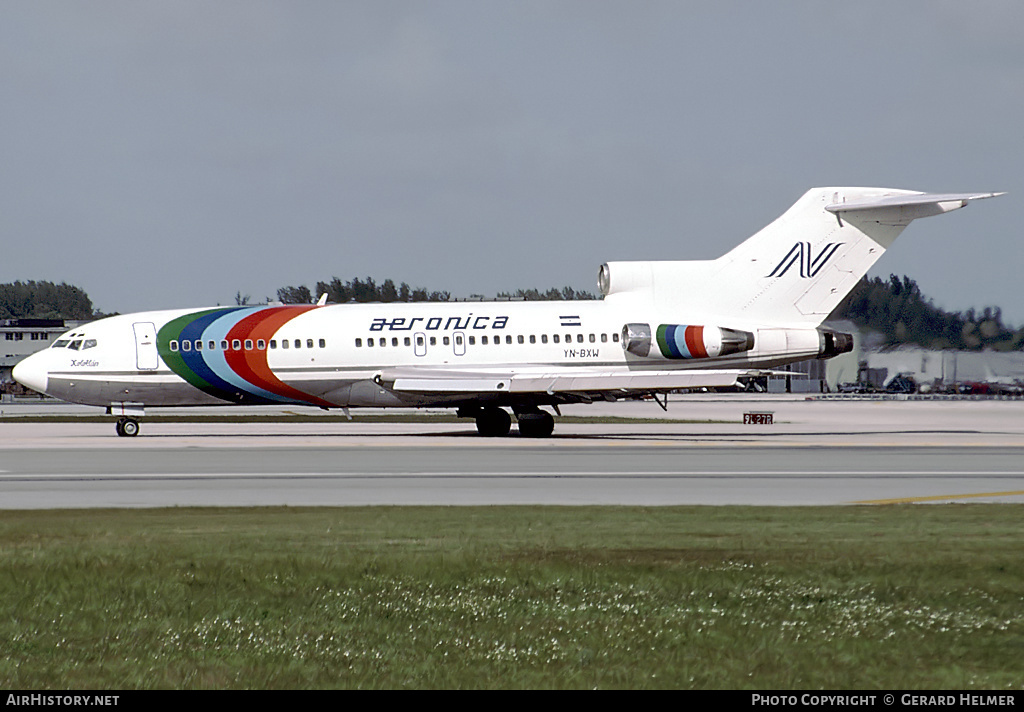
(802, 255)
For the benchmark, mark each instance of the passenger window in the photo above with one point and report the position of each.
(199, 344)
(520, 338)
(419, 341)
(383, 341)
(369, 343)
(309, 343)
(236, 345)
(458, 340)
(533, 339)
(556, 338)
(593, 338)
(472, 341)
(284, 343)
(579, 338)
(568, 338)
(186, 345)
(446, 340)
(323, 344)
(224, 345)
(75, 344)
(298, 343)
(604, 338)
(273, 343)
(615, 337)
(408, 341)
(543, 338)
(433, 341)
(483, 340)
(508, 338)
(394, 341)
(359, 343)
(261, 345)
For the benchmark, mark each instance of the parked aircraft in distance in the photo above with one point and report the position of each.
(661, 326)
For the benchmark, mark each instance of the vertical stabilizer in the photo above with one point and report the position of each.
(796, 270)
(809, 259)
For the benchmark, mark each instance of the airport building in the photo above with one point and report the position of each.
(873, 365)
(23, 337)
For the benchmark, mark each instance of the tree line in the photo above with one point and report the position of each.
(367, 290)
(893, 307)
(896, 308)
(44, 300)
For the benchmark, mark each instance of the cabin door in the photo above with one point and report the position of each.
(420, 341)
(459, 343)
(146, 358)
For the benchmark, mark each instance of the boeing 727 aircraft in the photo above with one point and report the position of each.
(661, 326)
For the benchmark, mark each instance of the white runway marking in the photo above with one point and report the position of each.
(816, 474)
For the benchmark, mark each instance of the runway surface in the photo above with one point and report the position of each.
(816, 453)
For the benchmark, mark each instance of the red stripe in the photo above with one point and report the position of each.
(695, 341)
(252, 365)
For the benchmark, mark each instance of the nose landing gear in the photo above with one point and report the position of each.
(128, 415)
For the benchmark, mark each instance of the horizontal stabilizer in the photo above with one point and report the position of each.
(940, 202)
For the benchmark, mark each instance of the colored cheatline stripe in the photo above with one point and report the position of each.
(218, 360)
(236, 376)
(252, 365)
(681, 341)
(190, 365)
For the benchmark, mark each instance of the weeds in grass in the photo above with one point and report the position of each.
(899, 597)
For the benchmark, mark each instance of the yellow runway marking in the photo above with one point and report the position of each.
(938, 498)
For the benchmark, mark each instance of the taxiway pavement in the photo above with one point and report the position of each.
(816, 452)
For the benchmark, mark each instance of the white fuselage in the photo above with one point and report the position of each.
(330, 356)
(661, 326)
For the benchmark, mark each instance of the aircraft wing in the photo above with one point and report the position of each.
(551, 381)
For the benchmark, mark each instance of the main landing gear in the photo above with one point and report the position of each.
(127, 427)
(536, 424)
(494, 422)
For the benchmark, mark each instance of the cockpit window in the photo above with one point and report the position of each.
(88, 344)
(60, 343)
(75, 345)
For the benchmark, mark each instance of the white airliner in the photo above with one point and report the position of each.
(661, 326)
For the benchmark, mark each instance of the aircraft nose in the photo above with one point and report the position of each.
(31, 373)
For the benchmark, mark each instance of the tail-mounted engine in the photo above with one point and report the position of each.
(681, 341)
(832, 343)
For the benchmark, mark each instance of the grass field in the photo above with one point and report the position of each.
(510, 597)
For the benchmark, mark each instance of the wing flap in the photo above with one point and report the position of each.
(561, 381)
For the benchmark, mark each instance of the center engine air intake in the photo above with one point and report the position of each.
(681, 341)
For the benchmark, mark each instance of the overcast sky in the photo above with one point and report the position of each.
(170, 154)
